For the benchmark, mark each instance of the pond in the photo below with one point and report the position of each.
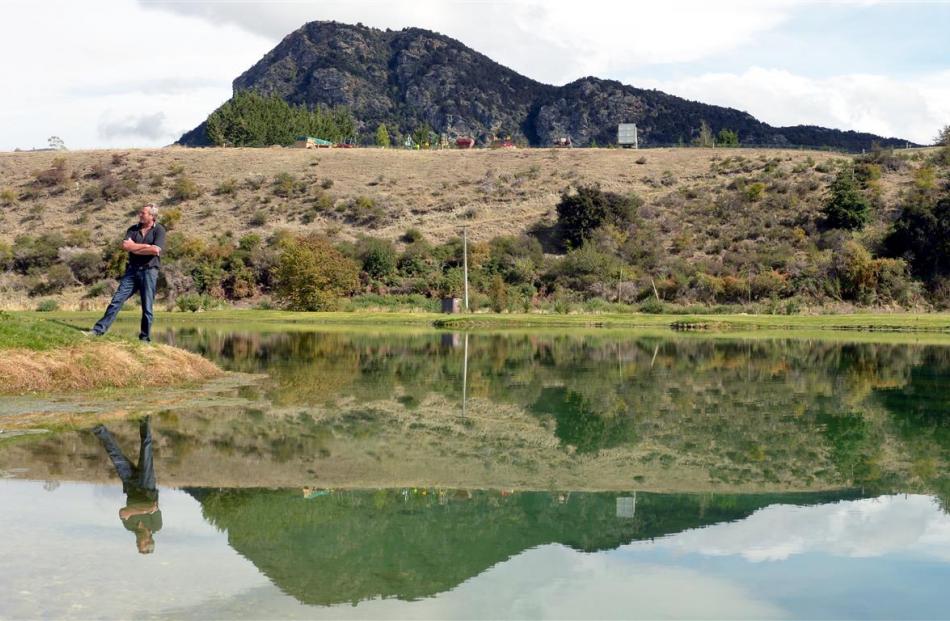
(424, 474)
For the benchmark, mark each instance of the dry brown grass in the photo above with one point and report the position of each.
(100, 365)
(493, 192)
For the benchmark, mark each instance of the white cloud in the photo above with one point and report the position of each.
(911, 525)
(552, 40)
(148, 126)
(97, 62)
(913, 107)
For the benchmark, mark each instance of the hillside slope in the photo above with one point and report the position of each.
(721, 212)
(412, 77)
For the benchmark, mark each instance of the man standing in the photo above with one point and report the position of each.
(144, 243)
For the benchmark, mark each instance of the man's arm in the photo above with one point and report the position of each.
(143, 249)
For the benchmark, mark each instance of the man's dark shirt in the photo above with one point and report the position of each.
(155, 237)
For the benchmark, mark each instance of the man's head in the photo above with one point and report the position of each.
(148, 215)
(144, 541)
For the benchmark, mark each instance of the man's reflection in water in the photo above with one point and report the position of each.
(140, 514)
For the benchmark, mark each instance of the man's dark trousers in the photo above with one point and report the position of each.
(139, 478)
(143, 280)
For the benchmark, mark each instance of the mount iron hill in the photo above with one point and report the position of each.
(412, 77)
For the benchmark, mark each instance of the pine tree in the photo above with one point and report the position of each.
(846, 207)
(382, 136)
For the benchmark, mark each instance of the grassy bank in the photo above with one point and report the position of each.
(935, 323)
(46, 355)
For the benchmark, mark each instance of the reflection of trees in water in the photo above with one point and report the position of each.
(756, 410)
(412, 543)
(920, 414)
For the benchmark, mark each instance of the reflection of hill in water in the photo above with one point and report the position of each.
(356, 545)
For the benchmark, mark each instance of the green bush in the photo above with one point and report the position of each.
(194, 302)
(170, 218)
(228, 187)
(921, 235)
(285, 184)
(378, 258)
(588, 208)
(259, 218)
(845, 207)
(30, 253)
(8, 197)
(86, 266)
(47, 306)
(58, 277)
(311, 275)
(184, 189)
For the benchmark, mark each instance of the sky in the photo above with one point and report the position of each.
(139, 73)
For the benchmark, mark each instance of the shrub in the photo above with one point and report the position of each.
(36, 252)
(754, 191)
(412, 235)
(170, 218)
(228, 187)
(378, 258)
(194, 302)
(922, 236)
(259, 218)
(111, 188)
(184, 188)
(498, 293)
(47, 306)
(364, 210)
(55, 175)
(86, 266)
(845, 207)
(855, 271)
(311, 275)
(326, 184)
(101, 288)
(588, 208)
(6, 256)
(285, 184)
(8, 197)
(58, 277)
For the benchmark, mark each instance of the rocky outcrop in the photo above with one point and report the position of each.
(410, 77)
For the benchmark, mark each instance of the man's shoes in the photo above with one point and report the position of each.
(91, 333)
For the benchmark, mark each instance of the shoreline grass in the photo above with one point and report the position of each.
(932, 323)
(41, 354)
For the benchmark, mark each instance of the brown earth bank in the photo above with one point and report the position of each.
(94, 365)
(491, 192)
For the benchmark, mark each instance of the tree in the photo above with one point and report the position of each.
(251, 119)
(420, 135)
(922, 235)
(382, 136)
(705, 137)
(589, 208)
(943, 138)
(311, 275)
(727, 138)
(846, 207)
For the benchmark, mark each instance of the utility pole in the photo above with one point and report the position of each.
(465, 262)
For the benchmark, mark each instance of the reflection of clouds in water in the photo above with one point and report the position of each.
(549, 582)
(65, 554)
(872, 527)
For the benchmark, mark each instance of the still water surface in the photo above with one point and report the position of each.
(538, 475)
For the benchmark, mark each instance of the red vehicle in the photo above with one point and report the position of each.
(465, 142)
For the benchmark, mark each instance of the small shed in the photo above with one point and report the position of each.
(627, 135)
(311, 142)
(451, 306)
